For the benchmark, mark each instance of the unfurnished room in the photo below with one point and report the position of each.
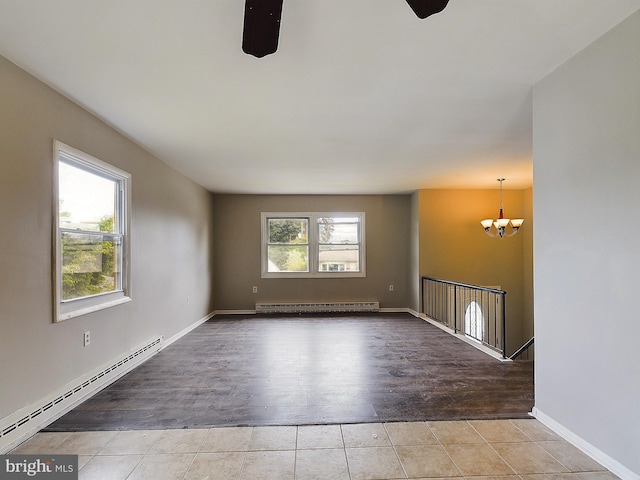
(319, 239)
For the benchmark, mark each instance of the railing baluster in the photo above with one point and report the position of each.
(448, 303)
(504, 330)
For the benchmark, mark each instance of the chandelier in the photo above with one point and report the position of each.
(501, 223)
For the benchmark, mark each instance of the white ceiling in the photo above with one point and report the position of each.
(361, 96)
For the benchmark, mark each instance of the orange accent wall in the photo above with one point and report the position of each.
(453, 246)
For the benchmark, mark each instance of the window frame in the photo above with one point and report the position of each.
(314, 245)
(66, 309)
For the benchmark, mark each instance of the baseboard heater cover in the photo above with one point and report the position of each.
(326, 307)
(28, 420)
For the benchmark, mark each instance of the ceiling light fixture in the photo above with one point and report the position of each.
(501, 223)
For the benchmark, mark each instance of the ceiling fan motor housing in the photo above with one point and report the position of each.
(425, 8)
(261, 27)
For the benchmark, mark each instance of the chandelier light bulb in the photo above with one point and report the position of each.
(500, 225)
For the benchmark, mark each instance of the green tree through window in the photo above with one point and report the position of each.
(288, 244)
(92, 234)
(88, 263)
(308, 245)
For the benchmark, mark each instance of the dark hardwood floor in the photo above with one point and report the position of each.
(313, 369)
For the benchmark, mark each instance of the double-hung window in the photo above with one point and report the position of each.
(91, 234)
(313, 245)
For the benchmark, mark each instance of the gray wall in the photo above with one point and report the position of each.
(171, 243)
(587, 259)
(414, 262)
(527, 268)
(237, 254)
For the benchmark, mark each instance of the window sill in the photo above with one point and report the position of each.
(77, 312)
(333, 275)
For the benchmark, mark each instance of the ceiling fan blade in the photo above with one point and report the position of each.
(424, 8)
(261, 27)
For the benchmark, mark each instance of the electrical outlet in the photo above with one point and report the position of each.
(188, 300)
(391, 288)
(255, 289)
(87, 338)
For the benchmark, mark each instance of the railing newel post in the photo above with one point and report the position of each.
(504, 325)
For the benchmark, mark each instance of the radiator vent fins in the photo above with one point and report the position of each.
(156, 343)
(332, 307)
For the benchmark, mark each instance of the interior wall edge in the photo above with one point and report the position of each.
(592, 451)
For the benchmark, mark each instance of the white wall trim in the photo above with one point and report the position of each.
(26, 422)
(464, 338)
(253, 312)
(27, 429)
(598, 455)
(184, 331)
(234, 312)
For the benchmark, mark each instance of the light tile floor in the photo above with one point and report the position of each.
(484, 450)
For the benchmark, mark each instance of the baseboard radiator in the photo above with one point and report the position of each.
(326, 307)
(28, 420)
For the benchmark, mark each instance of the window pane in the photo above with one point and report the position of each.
(288, 230)
(288, 258)
(91, 264)
(339, 258)
(308, 245)
(337, 230)
(86, 201)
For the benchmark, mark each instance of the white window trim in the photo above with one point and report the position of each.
(314, 271)
(64, 310)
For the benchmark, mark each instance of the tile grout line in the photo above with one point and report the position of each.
(498, 453)
(406, 475)
(295, 453)
(244, 458)
(198, 448)
(132, 470)
(445, 450)
(186, 472)
(344, 450)
(504, 459)
(571, 470)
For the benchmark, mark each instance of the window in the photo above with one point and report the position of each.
(313, 245)
(91, 234)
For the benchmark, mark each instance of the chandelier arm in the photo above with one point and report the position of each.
(489, 231)
(502, 223)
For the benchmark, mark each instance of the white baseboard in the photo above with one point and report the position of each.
(598, 455)
(253, 312)
(26, 422)
(191, 327)
(234, 312)
(464, 338)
